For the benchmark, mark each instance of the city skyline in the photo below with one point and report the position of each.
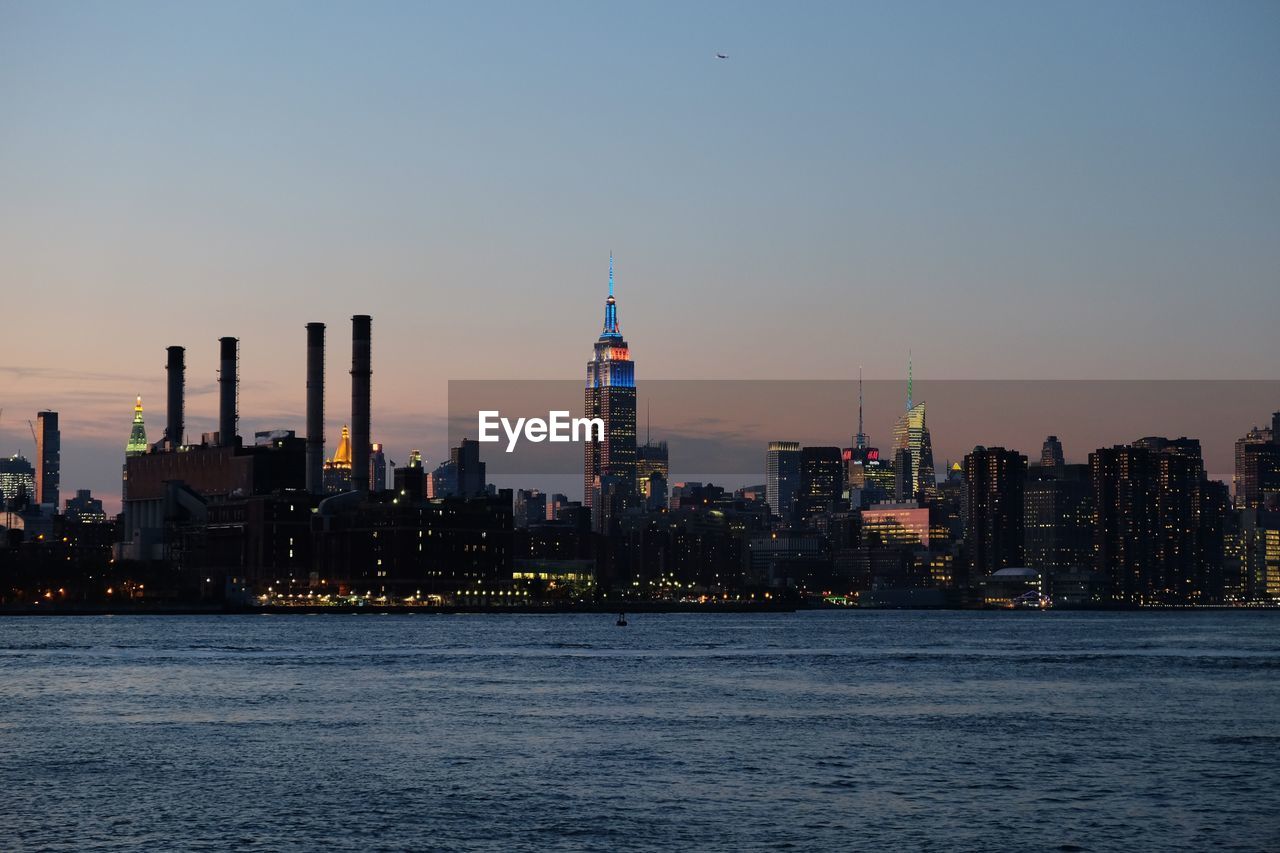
(1123, 230)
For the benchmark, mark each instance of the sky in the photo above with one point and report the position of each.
(1010, 190)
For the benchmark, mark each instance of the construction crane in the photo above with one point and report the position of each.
(32, 427)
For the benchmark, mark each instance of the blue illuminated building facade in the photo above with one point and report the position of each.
(609, 466)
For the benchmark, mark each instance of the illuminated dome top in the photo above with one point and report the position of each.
(342, 456)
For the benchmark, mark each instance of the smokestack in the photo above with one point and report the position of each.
(315, 408)
(176, 368)
(228, 391)
(361, 333)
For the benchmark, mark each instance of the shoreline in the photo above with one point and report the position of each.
(191, 609)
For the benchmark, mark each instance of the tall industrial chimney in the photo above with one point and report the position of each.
(176, 370)
(361, 333)
(315, 408)
(228, 391)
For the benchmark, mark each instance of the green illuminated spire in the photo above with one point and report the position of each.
(908, 380)
(138, 435)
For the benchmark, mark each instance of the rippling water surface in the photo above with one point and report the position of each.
(866, 730)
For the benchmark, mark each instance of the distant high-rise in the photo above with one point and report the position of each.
(877, 477)
(781, 476)
(653, 470)
(994, 480)
(48, 458)
(410, 482)
(1257, 473)
(17, 482)
(469, 470)
(911, 434)
(1057, 519)
(84, 507)
(610, 465)
(1149, 537)
(377, 469)
(137, 443)
(530, 507)
(1051, 454)
(821, 480)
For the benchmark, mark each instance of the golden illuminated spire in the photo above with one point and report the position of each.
(343, 454)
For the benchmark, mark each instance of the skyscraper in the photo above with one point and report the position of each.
(821, 480)
(469, 470)
(609, 466)
(1257, 474)
(1057, 519)
(911, 434)
(994, 479)
(652, 473)
(781, 476)
(377, 469)
(1051, 454)
(48, 458)
(17, 482)
(1149, 537)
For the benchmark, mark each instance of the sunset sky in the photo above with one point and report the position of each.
(1011, 190)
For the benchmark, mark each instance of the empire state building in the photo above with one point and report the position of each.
(609, 469)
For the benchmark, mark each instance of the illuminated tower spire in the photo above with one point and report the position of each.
(908, 380)
(860, 440)
(137, 444)
(611, 309)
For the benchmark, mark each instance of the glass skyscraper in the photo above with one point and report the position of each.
(911, 434)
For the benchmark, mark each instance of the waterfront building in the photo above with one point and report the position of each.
(994, 480)
(1151, 539)
(1057, 519)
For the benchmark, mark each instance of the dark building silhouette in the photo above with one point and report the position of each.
(377, 469)
(530, 507)
(1057, 519)
(821, 481)
(410, 482)
(48, 459)
(1150, 534)
(456, 548)
(1051, 457)
(469, 471)
(994, 492)
(84, 507)
(361, 385)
